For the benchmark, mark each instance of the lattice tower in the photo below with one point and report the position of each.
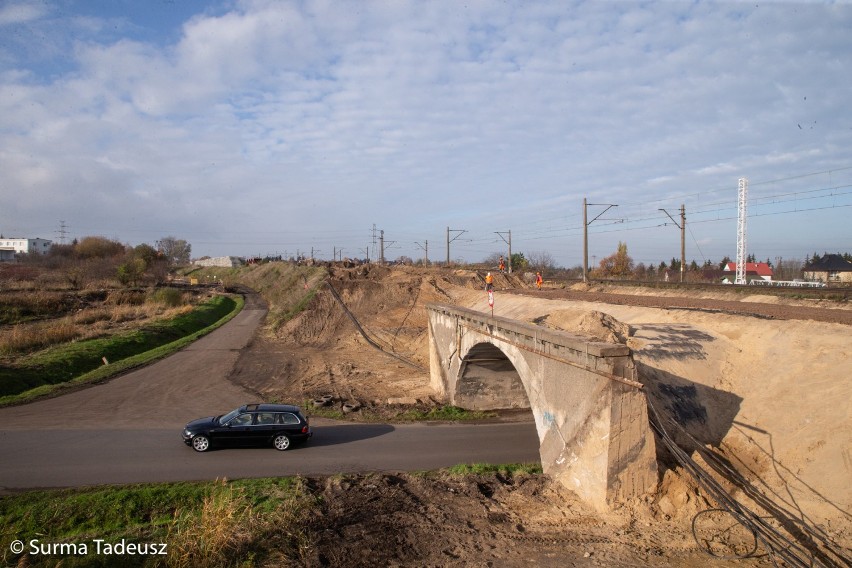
(741, 231)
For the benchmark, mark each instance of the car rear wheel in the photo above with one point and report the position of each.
(201, 443)
(281, 442)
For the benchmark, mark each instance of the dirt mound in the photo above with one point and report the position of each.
(747, 379)
(321, 351)
(598, 325)
(483, 520)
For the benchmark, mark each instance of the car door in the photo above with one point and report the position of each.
(263, 427)
(237, 432)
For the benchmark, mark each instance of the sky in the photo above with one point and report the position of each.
(272, 127)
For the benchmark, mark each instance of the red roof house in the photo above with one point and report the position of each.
(754, 270)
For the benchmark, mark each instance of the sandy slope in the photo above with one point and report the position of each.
(778, 390)
(770, 392)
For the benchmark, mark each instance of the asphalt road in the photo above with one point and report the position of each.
(69, 458)
(129, 429)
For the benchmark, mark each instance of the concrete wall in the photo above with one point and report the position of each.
(222, 261)
(589, 411)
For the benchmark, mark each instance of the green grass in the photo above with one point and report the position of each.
(78, 362)
(445, 413)
(504, 470)
(281, 284)
(196, 520)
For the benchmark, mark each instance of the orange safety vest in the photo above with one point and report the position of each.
(489, 279)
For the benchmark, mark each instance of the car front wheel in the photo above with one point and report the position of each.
(281, 442)
(201, 443)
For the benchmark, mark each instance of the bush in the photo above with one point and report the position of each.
(170, 297)
(125, 298)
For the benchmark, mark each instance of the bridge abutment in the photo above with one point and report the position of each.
(590, 412)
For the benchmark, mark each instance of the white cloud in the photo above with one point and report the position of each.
(335, 115)
(21, 12)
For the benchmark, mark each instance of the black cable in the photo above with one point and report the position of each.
(776, 544)
(364, 333)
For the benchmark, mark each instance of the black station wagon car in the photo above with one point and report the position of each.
(253, 424)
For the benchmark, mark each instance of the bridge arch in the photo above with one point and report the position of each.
(489, 379)
(589, 410)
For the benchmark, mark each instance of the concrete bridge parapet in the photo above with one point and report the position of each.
(590, 411)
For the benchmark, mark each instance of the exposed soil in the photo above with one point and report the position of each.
(764, 382)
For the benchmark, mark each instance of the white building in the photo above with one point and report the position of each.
(24, 246)
(223, 261)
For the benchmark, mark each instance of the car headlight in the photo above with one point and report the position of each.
(187, 434)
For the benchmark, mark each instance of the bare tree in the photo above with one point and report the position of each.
(541, 260)
(175, 251)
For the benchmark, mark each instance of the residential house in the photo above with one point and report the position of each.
(754, 271)
(829, 268)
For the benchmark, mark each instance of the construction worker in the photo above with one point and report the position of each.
(538, 280)
(502, 265)
(489, 282)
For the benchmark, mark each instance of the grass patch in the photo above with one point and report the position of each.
(504, 470)
(78, 362)
(286, 287)
(446, 412)
(216, 523)
(331, 412)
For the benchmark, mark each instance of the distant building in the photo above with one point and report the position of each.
(829, 268)
(222, 261)
(754, 271)
(10, 247)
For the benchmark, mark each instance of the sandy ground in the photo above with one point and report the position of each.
(769, 394)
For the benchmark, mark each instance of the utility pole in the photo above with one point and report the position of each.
(460, 232)
(382, 246)
(586, 232)
(425, 248)
(682, 227)
(374, 243)
(508, 242)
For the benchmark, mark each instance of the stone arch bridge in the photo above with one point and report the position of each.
(590, 412)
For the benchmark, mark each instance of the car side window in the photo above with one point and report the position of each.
(287, 418)
(241, 420)
(264, 418)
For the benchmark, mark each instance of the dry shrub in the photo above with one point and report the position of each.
(13, 275)
(221, 533)
(229, 529)
(91, 316)
(122, 314)
(126, 297)
(39, 301)
(28, 337)
(171, 297)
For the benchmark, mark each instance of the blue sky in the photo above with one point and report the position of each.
(271, 127)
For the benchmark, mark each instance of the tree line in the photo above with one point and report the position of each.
(94, 258)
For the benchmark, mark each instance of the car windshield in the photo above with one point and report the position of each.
(228, 417)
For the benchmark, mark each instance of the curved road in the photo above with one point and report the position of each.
(128, 430)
